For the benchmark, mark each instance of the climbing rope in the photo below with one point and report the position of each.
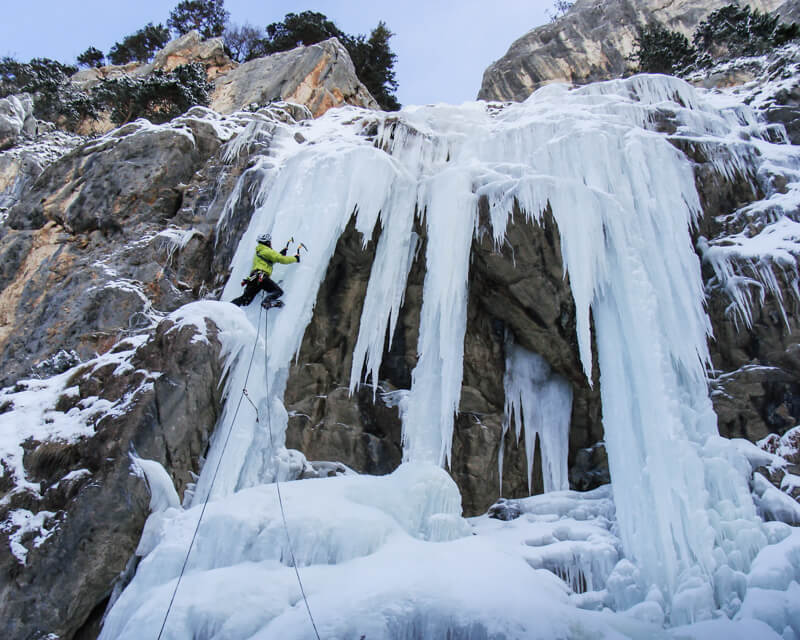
(216, 470)
(277, 482)
(244, 395)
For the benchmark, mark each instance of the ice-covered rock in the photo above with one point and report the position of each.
(16, 116)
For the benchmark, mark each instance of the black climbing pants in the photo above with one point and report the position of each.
(258, 281)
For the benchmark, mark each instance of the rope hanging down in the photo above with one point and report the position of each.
(244, 395)
(214, 477)
(277, 482)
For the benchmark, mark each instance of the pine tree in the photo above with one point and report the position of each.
(209, 17)
(141, 46)
(374, 62)
(308, 27)
(48, 81)
(740, 31)
(92, 57)
(659, 50)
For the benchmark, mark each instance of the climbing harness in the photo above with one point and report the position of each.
(219, 462)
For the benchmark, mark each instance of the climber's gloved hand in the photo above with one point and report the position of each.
(297, 256)
(283, 251)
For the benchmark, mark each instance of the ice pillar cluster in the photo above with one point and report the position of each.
(624, 200)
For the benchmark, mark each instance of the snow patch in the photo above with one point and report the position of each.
(20, 523)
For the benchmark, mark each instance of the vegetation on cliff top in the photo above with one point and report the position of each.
(726, 33)
(372, 55)
(161, 95)
(55, 97)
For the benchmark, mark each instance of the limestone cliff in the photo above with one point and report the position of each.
(591, 42)
(319, 76)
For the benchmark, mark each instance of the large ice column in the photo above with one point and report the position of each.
(394, 255)
(432, 403)
(539, 404)
(624, 200)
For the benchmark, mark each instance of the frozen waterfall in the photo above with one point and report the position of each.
(391, 557)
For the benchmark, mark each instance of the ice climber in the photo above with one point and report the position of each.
(259, 279)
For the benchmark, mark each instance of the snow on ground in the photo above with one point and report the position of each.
(381, 557)
(389, 557)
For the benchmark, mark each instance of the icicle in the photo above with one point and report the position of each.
(450, 209)
(539, 403)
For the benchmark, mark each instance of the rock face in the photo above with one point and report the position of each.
(163, 407)
(320, 76)
(192, 48)
(25, 161)
(106, 241)
(114, 234)
(591, 42)
(184, 50)
(77, 220)
(756, 382)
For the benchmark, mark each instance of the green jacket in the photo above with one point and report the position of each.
(266, 256)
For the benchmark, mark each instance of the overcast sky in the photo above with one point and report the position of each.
(442, 46)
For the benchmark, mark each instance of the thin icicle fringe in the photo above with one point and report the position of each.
(748, 280)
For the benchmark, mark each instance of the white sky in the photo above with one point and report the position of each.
(442, 47)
